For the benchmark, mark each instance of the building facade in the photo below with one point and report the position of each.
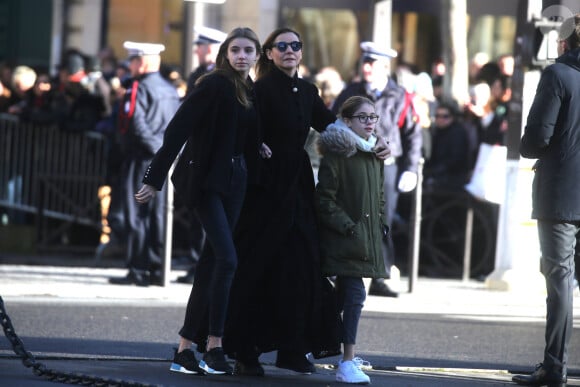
(331, 29)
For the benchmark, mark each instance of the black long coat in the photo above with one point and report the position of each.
(206, 122)
(552, 135)
(279, 299)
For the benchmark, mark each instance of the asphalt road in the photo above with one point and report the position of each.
(133, 340)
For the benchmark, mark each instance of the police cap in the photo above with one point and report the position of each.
(135, 49)
(370, 52)
(207, 35)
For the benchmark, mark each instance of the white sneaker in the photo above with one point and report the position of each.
(349, 372)
(362, 364)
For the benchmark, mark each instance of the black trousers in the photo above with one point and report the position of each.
(558, 242)
(218, 213)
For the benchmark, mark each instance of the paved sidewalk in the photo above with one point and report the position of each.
(429, 295)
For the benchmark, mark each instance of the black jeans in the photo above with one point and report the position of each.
(218, 214)
(557, 242)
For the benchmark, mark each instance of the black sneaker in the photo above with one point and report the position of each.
(185, 362)
(295, 361)
(214, 362)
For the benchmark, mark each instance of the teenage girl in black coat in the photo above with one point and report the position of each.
(218, 123)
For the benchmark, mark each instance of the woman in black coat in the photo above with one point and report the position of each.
(280, 300)
(218, 123)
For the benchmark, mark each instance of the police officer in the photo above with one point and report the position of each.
(206, 49)
(148, 105)
(399, 125)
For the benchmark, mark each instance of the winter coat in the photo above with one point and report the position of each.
(207, 121)
(350, 202)
(552, 135)
(276, 238)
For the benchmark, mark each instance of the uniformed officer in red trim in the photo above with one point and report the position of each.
(148, 105)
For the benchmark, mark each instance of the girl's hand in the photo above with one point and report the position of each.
(146, 193)
(382, 149)
(265, 151)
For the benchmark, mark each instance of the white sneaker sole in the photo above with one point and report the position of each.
(342, 380)
(209, 370)
(178, 368)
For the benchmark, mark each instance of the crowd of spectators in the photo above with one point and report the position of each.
(483, 119)
(83, 95)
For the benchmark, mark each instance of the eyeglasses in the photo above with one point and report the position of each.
(363, 119)
(442, 115)
(282, 46)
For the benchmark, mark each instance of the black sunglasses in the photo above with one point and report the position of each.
(282, 46)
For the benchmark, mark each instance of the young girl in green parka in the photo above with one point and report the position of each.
(349, 200)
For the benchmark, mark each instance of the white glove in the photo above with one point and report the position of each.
(407, 181)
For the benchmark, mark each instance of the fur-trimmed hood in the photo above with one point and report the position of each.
(340, 139)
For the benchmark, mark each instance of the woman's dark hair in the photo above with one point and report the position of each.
(352, 104)
(265, 65)
(224, 68)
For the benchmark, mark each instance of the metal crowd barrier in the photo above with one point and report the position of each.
(52, 174)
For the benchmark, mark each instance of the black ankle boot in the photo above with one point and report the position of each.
(248, 365)
(294, 361)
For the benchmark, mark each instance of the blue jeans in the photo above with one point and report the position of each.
(558, 242)
(351, 298)
(218, 214)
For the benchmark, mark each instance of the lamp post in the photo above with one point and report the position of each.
(192, 15)
(189, 16)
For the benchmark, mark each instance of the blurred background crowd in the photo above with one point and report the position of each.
(78, 86)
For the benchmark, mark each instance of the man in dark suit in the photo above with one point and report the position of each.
(148, 105)
(552, 135)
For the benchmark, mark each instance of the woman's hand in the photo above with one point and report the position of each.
(382, 149)
(265, 151)
(146, 193)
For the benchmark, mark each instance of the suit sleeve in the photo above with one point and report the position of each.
(542, 116)
(187, 122)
